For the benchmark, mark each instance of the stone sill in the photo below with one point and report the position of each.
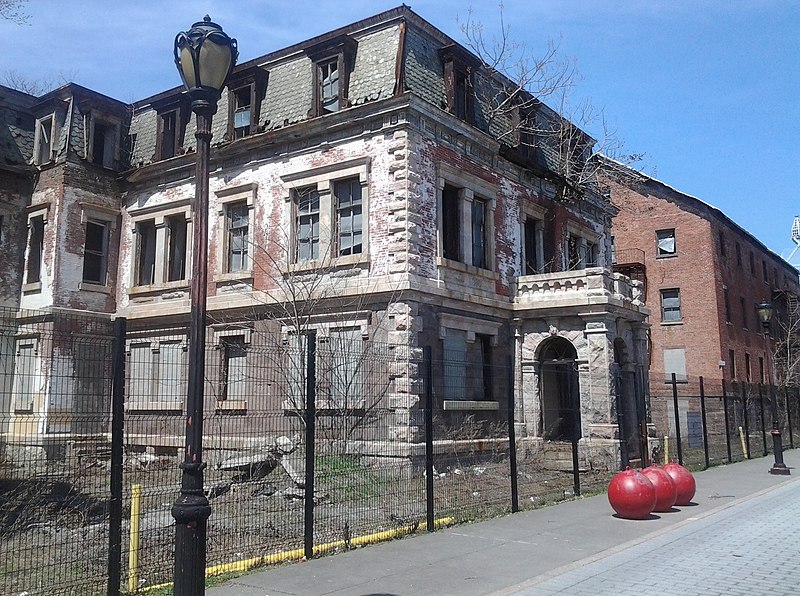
(231, 404)
(321, 265)
(467, 404)
(671, 323)
(90, 287)
(181, 284)
(464, 268)
(32, 288)
(245, 276)
(155, 407)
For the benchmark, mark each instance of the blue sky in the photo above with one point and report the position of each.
(709, 91)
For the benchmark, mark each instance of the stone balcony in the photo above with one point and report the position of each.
(583, 287)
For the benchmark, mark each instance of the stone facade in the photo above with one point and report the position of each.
(457, 247)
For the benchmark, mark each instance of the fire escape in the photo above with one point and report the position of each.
(630, 262)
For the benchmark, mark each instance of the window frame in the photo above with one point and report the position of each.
(152, 397)
(323, 181)
(665, 319)
(108, 218)
(535, 223)
(50, 134)
(477, 336)
(37, 214)
(111, 144)
(160, 218)
(237, 196)
(666, 234)
(341, 50)
(458, 68)
(455, 196)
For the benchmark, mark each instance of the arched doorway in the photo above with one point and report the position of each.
(560, 406)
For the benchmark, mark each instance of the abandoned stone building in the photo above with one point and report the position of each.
(361, 178)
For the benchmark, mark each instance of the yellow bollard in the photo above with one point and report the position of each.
(666, 450)
(743, 442)
(133, 552)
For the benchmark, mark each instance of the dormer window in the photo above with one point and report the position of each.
(458, 67)
(103, 143)
(246, 90)
(45, 133)
(173, 114)
(332, 63)
(329, 86)
(242, 114)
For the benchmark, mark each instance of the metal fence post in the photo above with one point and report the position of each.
(429, 506)
(677, 418)
(576, 432)
(512, 439)
(727, 421)
(786, 394)
(623, 444)
(763, 425)
(704, 424)
(311, 415)
(117, 438)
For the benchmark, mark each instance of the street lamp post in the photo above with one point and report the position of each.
(765, 312)
(204, 56)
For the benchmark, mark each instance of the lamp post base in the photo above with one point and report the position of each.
(778, 467)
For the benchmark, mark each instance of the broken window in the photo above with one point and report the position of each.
(35, 249)
(176, 247)
(458, 66)
(242, 112)
(574, 260)
(95, 252)
(238, 241)
(665, 243)
(45, 132)
(104, 143)
(168, 134)
(451, 223)
(146, 247)
(329, 86)
(455, 364)
(478, 214)
(332, 62)
(531, 232)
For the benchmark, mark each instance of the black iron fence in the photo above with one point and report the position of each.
(315, 443)
(702, 422)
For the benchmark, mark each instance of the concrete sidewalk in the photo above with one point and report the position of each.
(512, 553)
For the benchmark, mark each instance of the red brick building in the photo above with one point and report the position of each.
(704, 276)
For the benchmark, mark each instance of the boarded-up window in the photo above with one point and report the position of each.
(675, 362)
(234, 368)
(455, 353)
(339, 369)
(25, 375)
(140, 374)
(170, 372)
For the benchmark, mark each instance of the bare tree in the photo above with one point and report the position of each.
(14, 11)
(786, 351)
(528, 105)
(16, 80)
(307, 290)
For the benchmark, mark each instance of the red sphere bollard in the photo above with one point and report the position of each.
(684, 482)
(666, 491)
(631, 494)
